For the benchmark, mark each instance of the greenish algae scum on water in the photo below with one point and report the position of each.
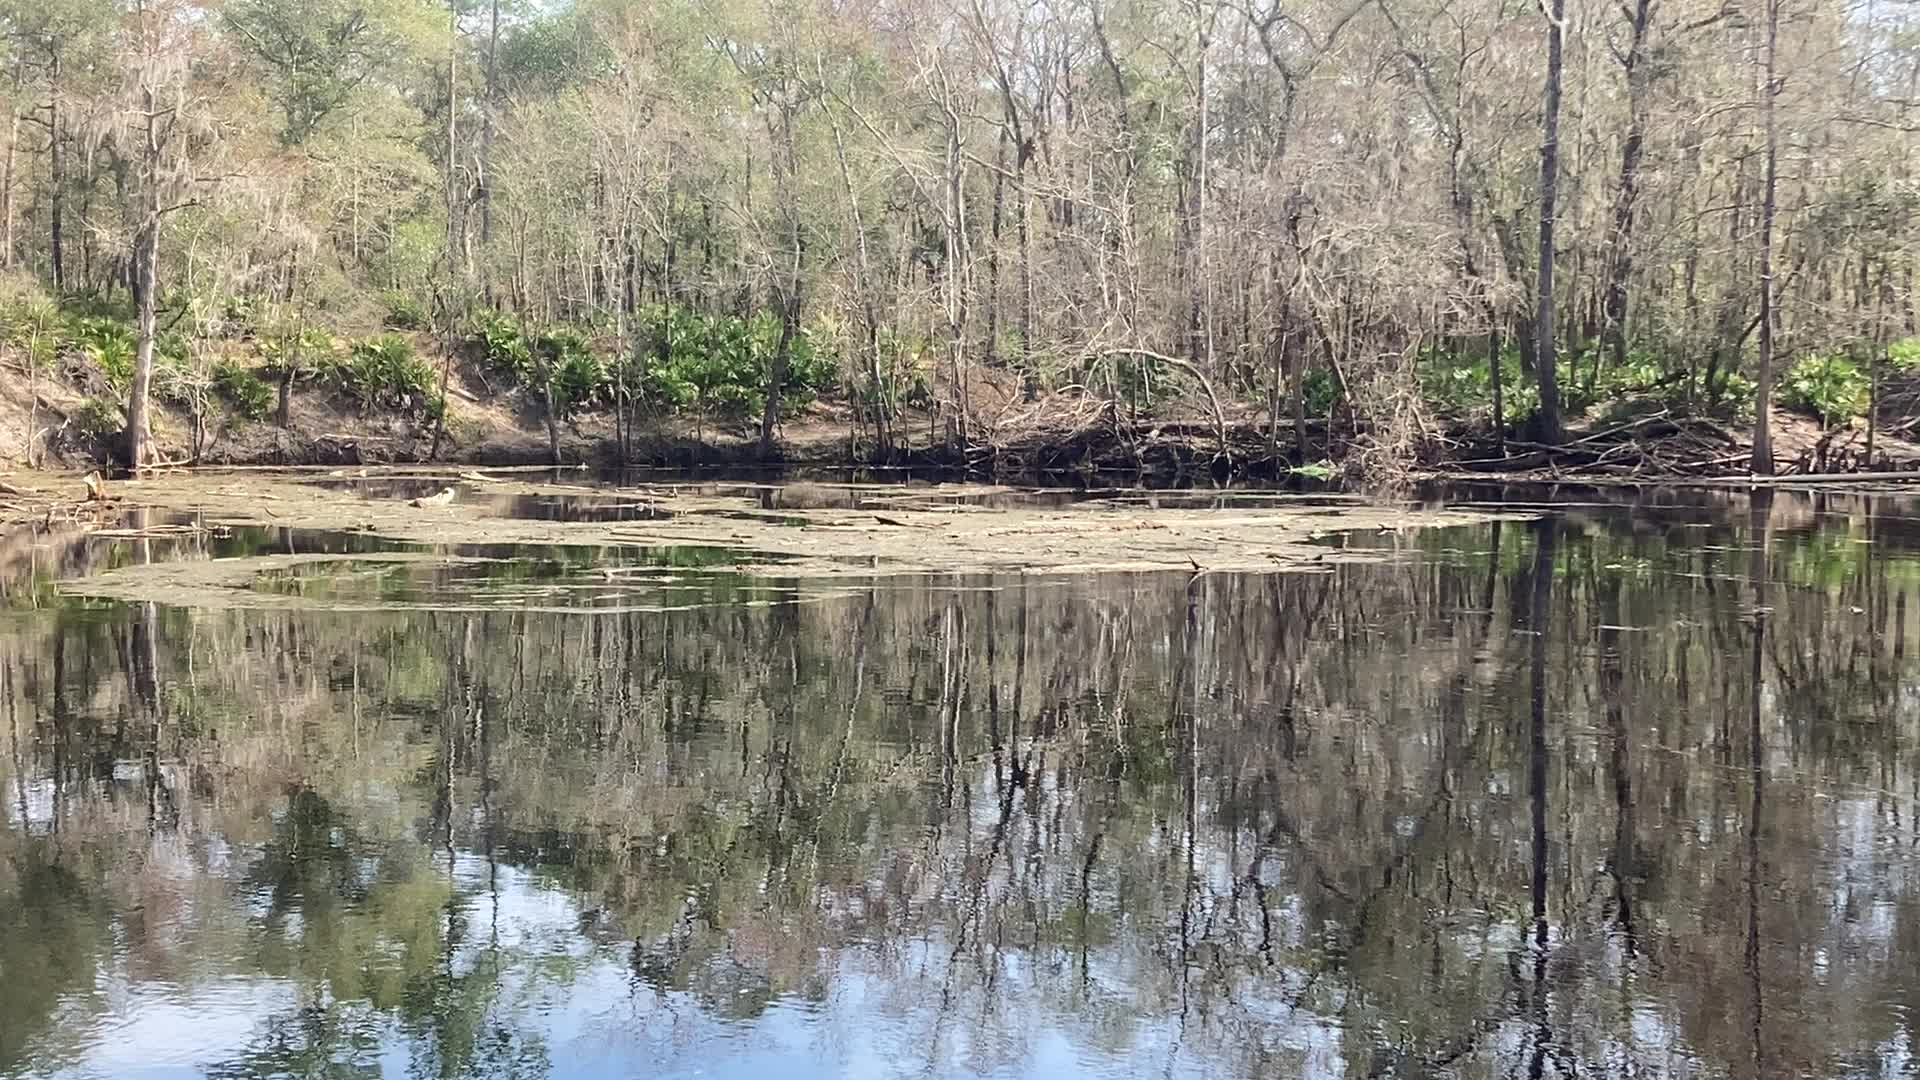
(904, 537)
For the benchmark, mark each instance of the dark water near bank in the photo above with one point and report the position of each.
(1624, 792)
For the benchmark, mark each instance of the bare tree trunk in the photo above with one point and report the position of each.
(146, 253)
(789, 301)
(953, 274)
(1620, 241)
(1550, 419)
(1297, 391)
(1549, 416)
(1493, 377)
(57, 180)
(553, 418)
(1873, 399)
(486, 133)
(33, 399)
(6, 185)
(87, 176)
(1879, 339)
(1277, 354)
(1030, 382)
(996, 223)
(454, 230)
(1200, 320)
(787, 291)
(449, 346)
(869, 316)
(1763, 375)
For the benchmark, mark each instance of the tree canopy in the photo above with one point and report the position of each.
(989, 208)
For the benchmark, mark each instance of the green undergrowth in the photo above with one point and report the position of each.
(1833, 387)
(671, 360)
(679, 362)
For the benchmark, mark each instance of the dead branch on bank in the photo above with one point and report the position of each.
(1653, 446)
(1206, 385)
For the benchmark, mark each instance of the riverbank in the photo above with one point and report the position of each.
(579, 502)
(64, 423)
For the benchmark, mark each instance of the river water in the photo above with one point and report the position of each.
(1626, 790)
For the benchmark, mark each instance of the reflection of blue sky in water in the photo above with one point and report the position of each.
(579, 999)
(565, 987)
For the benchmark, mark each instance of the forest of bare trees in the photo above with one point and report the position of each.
(1371, 216)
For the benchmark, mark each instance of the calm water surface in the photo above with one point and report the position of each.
(1626, 791)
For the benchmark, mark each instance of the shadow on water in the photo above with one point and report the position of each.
(1628, 790)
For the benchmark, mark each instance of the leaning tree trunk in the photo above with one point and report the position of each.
(1620, 260)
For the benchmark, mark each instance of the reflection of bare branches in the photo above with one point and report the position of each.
(1298, 807)
(1757, 778)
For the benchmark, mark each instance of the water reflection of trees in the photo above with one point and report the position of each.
(1553, 798)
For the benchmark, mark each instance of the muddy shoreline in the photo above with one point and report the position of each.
(1172, 453)
(257, 491)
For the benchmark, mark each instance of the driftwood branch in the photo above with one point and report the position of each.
(1219, 415)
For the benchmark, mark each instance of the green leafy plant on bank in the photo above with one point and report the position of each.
(383, 371)
(568, 364)
(109, 345)
(1830, 386)
(502, 346)
(304, 349)
(1459, 385)
(98, 418)
(404, 311)
(725, 361)
(243, 389)
(714, 366)
(34, 325)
